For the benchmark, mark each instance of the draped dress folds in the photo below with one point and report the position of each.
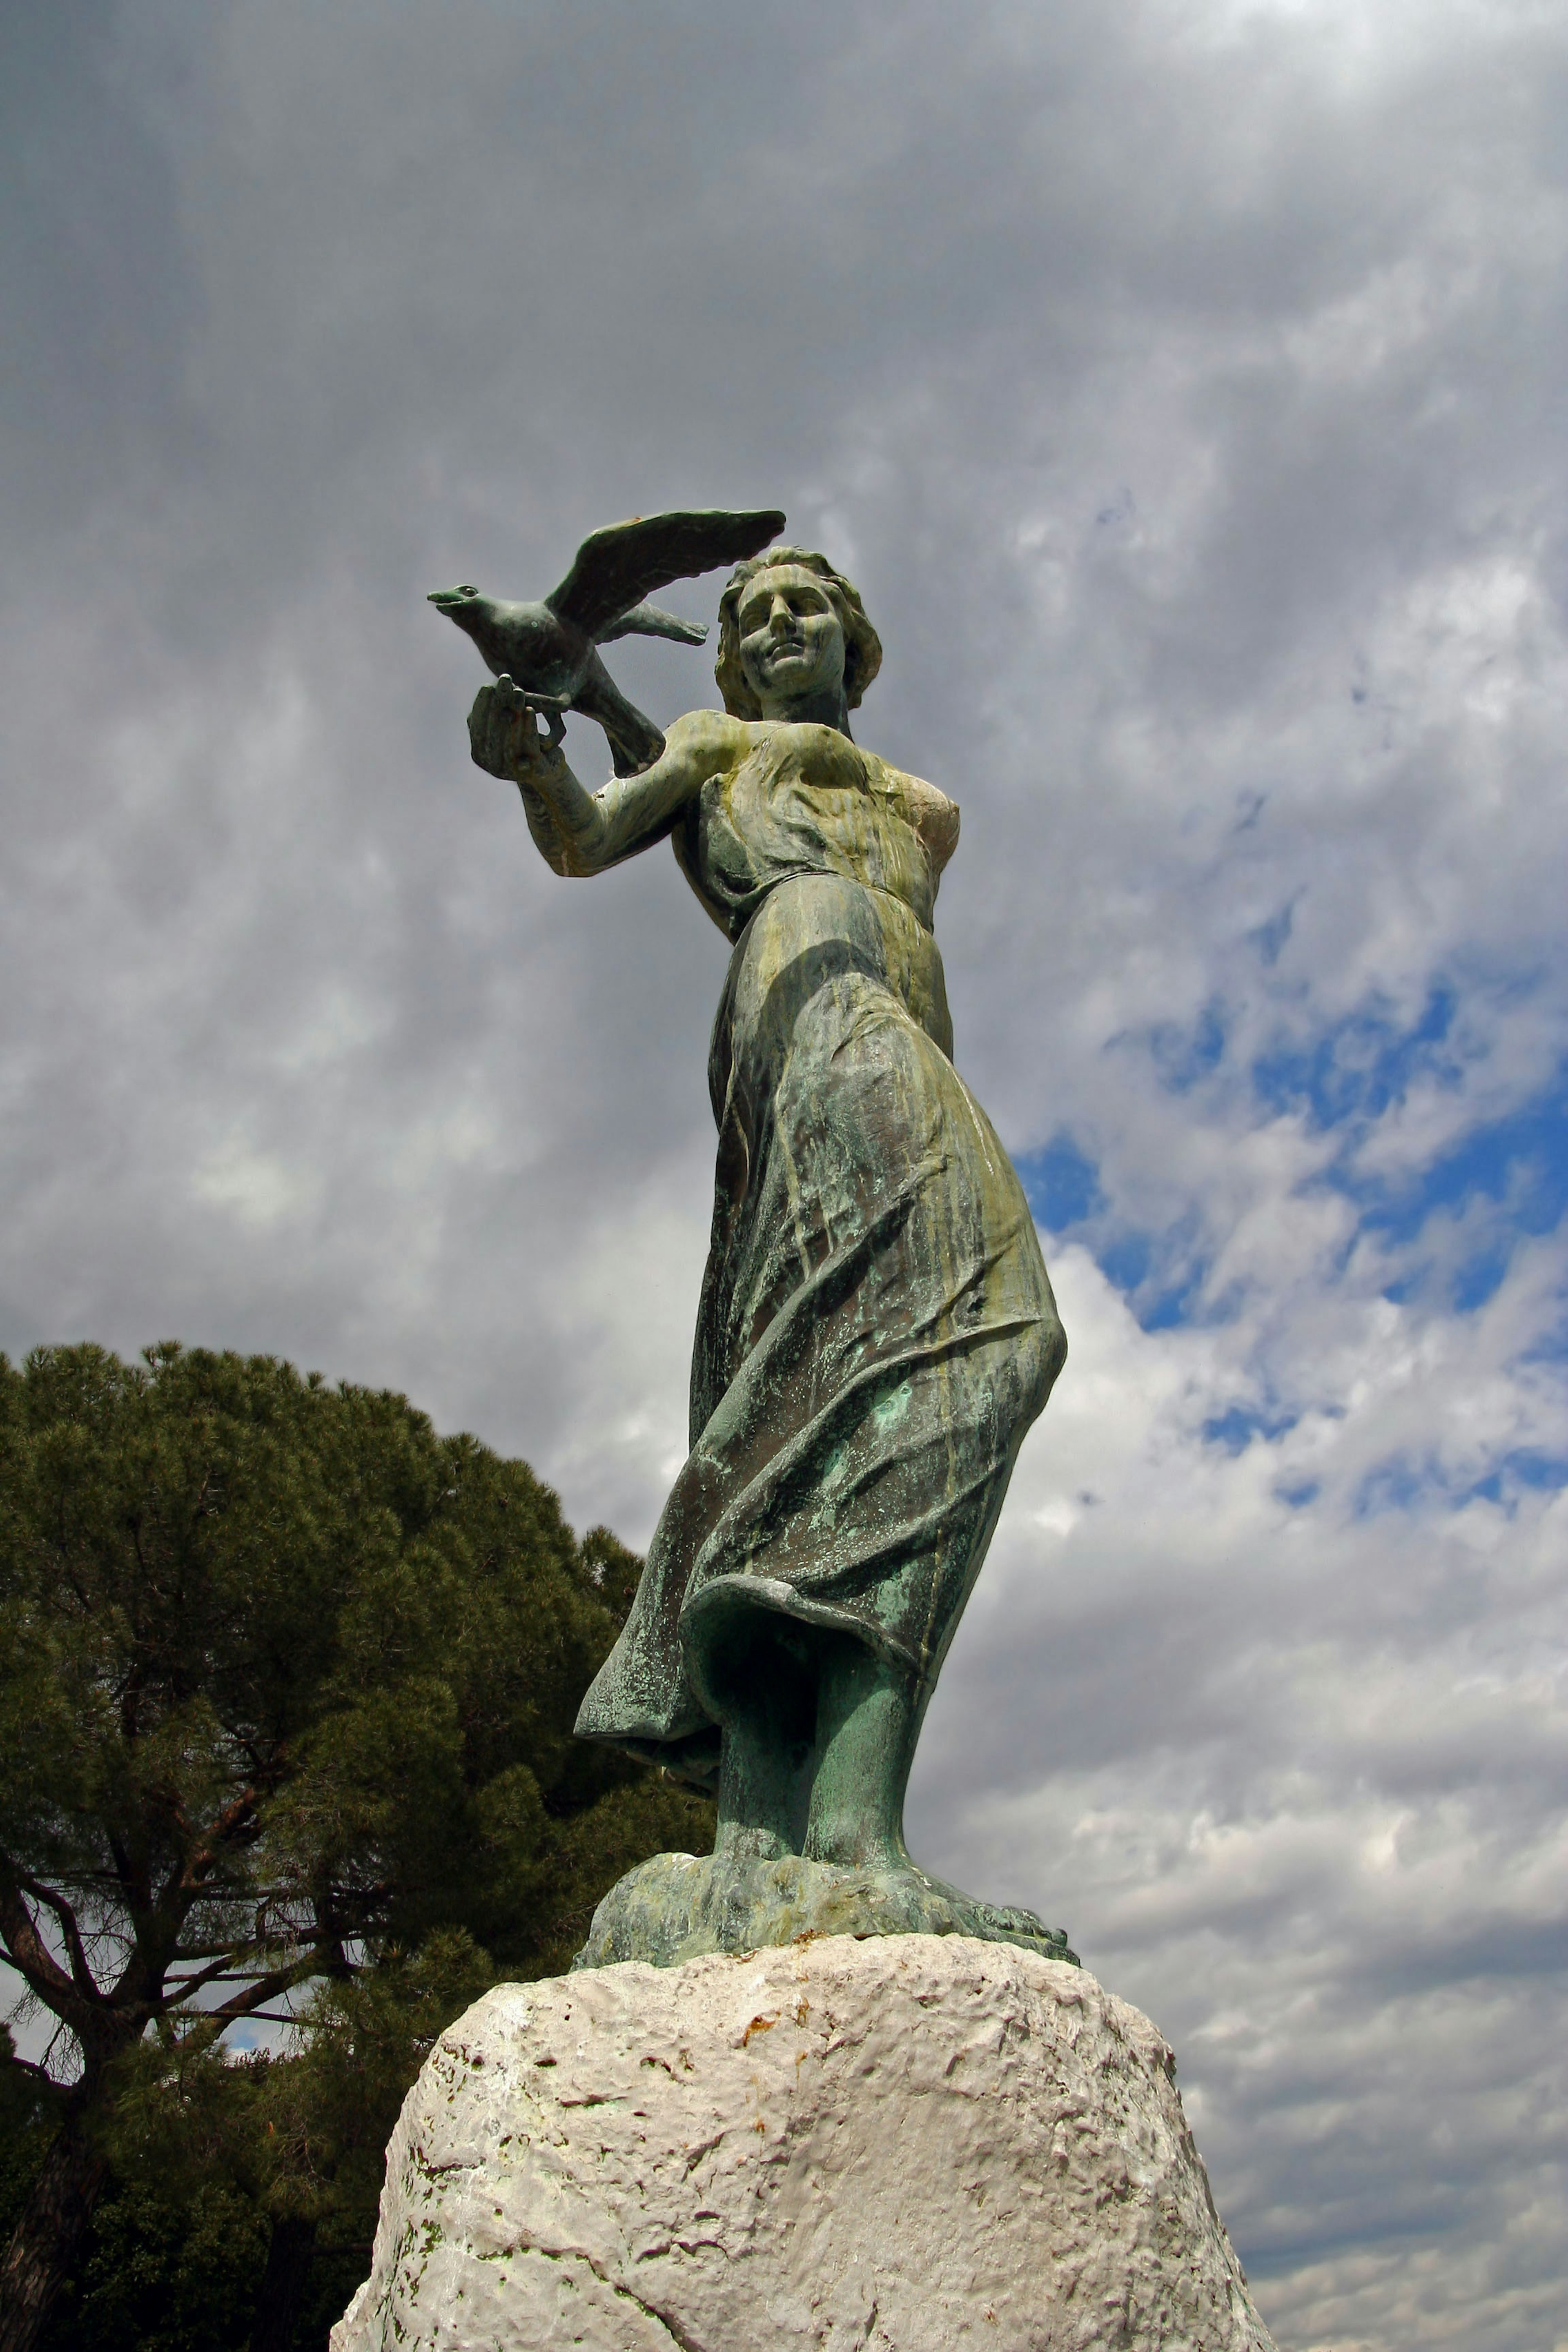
(877, 1331)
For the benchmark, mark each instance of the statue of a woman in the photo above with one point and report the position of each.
(877, 1331)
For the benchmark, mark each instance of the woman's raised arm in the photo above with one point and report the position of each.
(579, 832)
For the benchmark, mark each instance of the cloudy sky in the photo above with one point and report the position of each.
(1181, 381)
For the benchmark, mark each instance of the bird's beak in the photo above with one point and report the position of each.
(443, 598)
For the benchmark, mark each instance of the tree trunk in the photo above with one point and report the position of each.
(289, 2259)
(48, 2237)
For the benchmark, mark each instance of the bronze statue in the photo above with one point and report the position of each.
(877, 1331)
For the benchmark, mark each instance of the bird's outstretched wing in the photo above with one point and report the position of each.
(619, 566)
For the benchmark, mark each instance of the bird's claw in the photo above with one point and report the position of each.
(530, 706)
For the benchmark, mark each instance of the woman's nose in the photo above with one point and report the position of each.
(780, 617)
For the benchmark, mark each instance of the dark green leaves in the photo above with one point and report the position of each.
(286, 1689)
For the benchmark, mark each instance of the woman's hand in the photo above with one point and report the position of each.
(578, 832)
(504, 736)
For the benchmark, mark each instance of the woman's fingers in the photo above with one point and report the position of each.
(498, 725)
(525, 744)
(503, 731)
(488, 726)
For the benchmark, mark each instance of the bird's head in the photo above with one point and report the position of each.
(455, 600)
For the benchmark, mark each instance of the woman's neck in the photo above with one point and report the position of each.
(823, 706)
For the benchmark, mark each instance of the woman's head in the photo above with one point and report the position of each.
(785, 620)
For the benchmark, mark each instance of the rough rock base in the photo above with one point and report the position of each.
(905, 2143)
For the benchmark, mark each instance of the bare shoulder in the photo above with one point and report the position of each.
(934, 817)
(709, 740)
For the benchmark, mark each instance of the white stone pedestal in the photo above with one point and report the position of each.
(904, 2144)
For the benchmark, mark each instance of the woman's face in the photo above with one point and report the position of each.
(792, 645)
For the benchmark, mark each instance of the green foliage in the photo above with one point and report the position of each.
(209, 2152)
(280, 1669)
(328, 2111)
(286, 1689)
(27, 2124)
(183, 2112)
(163, 2273)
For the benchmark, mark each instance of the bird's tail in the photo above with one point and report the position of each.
(631, 758)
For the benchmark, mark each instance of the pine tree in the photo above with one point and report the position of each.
(287, 1686)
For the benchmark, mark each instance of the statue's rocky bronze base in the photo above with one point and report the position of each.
(890, 2144)
(679, 1906)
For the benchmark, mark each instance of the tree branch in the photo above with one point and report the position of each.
(81, 1974)
(239, 1814)
(216, 1973)
(35, 1964)
(215, 1976)
(246, 2004)
(188, 1952)
(131, 1881)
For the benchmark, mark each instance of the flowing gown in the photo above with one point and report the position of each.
(877, 1331)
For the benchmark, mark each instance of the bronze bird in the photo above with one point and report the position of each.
(551, 649)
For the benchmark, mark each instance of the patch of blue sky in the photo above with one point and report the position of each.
(1235, 1428)
(1520, 1161)
(1186, 1056)
(1357, 1071)
(1165, 1304)
(1401, 1483)
(1525, 1470)
(1480, 1278)
(1550, 1345)
(1126, 1259)
(1365, 1066)
(1155, 1274)
(1514, 1171)
(1161, 1275)
(1062, 1184)
(1362, 1064)
(1272, 938)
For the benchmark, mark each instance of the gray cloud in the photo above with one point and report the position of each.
(1178, 384)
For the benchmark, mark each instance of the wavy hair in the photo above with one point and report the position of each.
(862, 645)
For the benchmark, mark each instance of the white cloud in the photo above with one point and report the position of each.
(1179, 382)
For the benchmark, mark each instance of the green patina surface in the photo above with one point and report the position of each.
(876, 1332)
(680, 1905)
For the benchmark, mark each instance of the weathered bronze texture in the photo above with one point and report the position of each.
(877, 1331)
(550, 648)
